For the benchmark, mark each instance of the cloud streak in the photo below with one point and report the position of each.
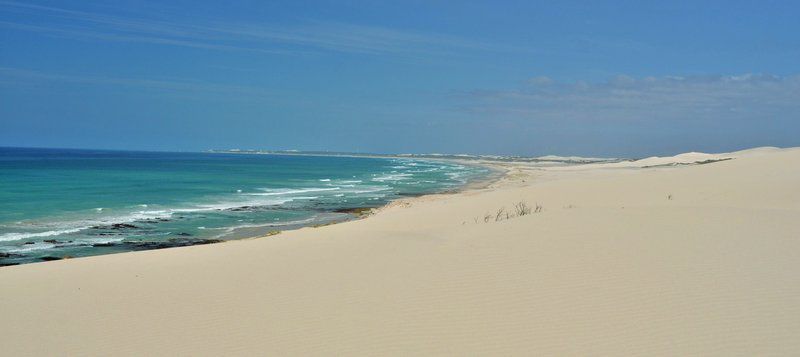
(622, 98)
(309, 37)
(18, 76)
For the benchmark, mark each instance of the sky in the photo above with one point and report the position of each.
(590, 78)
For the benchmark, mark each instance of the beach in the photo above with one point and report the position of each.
(688, 255)
(59, 203)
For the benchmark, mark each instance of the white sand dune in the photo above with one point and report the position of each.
(671, 260)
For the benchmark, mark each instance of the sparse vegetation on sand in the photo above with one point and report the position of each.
(519, 209)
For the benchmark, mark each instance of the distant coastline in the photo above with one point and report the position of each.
(502, 158)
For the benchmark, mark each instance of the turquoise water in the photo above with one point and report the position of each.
(56, 203)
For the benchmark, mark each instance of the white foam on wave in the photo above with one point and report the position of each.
(66, 227)
(371, 190)
(150, 234)
(434, 169)
(99, 240)
(392, 177)
(228, 205)
(57, 228)
(30, 248)
(457, 176)
(286, 191)
(44, 245)
(7, 237)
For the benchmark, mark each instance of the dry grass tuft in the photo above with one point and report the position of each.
(520, 209)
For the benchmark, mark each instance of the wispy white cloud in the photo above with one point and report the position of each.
(79, 33)
(19, 77)
(307, 37)
(623, 98)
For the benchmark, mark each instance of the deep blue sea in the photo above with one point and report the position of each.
(57, 203)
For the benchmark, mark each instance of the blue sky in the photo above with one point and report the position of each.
(529, 78)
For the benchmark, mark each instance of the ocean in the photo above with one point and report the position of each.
(62, 203)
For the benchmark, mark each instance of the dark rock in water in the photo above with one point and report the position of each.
(356, 211)
(73, 245)
(30, 243)
(107, 234)
(410, 194)
(184, 234)
(153, 220)
(116, 226)
(49, 258)
(53, 241)
(149, 245)
(5, 263)
(249, 208)
(169, 243)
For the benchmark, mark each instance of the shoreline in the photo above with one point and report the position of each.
(621, 259)
(497, 174)
(319, 219)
